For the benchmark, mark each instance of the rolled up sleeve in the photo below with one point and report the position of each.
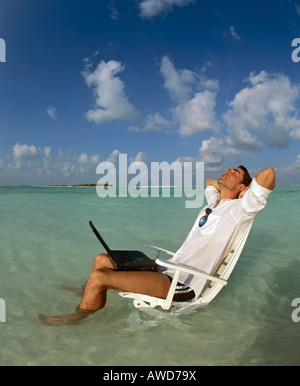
(211, 195)
(255, 199)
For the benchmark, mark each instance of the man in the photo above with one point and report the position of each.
(233, 201)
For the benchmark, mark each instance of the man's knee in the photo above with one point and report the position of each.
(98, 279)
(102, 261)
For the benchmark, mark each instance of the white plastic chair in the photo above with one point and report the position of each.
(215, 282)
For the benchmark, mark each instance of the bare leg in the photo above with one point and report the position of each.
(75, 290)
(102, 278)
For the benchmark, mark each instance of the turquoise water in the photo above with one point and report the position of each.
(46, 242)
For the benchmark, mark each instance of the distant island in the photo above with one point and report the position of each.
(80, 185)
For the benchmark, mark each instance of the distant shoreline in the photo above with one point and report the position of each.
(78, 185)
(108, 185)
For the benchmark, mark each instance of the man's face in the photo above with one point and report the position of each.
(232, 178)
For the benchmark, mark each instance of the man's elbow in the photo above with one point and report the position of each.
(212, 182)
(271, 176)
(267, 178)
(209, 182)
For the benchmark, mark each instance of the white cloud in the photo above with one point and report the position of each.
(114, 14)
(150, 8)
(113, 156)
(197, 115)
(290, 174)
(295, 133)
(51, 111)
(47, 151)
(94, 159)
(36, 165)
(86, 163)
(179, 83)
(83, 159)
(262, 114)
(292, 169)
(215, 151)
(153, 122)
(195, 96)
(140, 157)
(25, 152)
(65, 165)
(233, 33)
(297, 7)
(266, 107)
(109, 90)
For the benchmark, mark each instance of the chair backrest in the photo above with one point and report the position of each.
(224, 270)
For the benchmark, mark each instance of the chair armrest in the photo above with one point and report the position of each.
(190, 270)
(160, 249)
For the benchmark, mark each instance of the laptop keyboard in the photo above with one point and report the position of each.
(125, 257)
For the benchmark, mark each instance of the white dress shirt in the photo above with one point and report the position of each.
(205, 247)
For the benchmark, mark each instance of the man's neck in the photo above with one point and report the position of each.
(229, 194)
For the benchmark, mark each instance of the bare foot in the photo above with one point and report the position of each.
(65, 320)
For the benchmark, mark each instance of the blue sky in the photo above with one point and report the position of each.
(158, 80)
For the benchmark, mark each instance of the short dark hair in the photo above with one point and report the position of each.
(246, 178)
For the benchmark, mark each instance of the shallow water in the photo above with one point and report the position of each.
(46, 242)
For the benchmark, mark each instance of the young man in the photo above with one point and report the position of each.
(233, 200)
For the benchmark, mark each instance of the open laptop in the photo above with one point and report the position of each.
(126, 260)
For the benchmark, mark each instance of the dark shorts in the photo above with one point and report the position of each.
(183, 293)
